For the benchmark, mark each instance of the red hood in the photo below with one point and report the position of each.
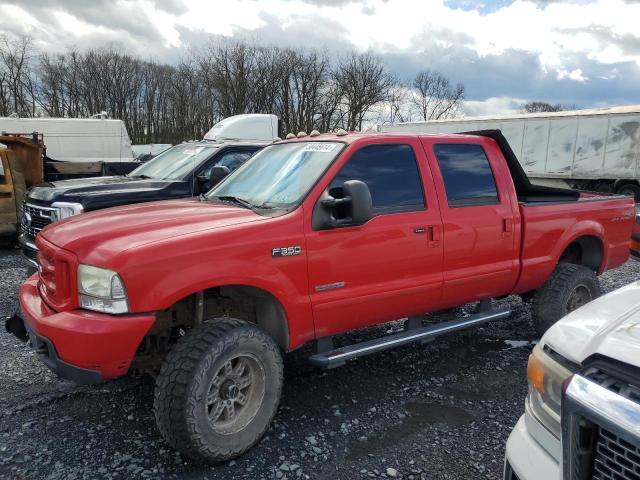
(113, 230)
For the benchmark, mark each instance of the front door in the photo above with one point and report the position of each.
(390, 267)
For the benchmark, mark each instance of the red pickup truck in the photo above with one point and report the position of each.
(310, 238)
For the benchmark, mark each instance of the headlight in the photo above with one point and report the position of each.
(101, 289)
(545, 377)
(67, 209)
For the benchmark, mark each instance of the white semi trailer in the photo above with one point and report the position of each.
(77, 139)
(595, 149)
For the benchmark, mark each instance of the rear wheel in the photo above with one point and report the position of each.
(218, 390)
(569, 287)
(630, 189)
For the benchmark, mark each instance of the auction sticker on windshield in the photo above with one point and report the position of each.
(319, 147)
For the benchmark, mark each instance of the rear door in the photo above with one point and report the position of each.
(391, 266)
(480, 218)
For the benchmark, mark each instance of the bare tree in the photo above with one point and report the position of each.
(537, 107)
(363, 82)
(435, 98)
(172, 103)
(17, 76)
(397, 108)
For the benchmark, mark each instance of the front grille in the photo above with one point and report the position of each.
(614, 383)
(57, 276)
(615, 458)
(600, 418)
(35, 218)
(47, 271)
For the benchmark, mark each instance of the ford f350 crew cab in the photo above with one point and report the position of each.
(584, 388)
(310, 238)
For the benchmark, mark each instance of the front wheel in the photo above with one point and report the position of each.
(218, 390)
(569, 287)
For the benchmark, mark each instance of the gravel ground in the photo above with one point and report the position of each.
(438, 411)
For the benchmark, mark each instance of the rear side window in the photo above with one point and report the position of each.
(390, 172)
(467, 175)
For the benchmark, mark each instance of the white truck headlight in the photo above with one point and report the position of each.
(101, 289)
(545, 377)
(67, 209)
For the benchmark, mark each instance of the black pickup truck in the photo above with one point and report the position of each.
(181, 171)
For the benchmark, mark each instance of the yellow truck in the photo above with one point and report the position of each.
(21, 166)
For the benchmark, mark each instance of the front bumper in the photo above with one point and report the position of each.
(29, 252)
(526, 459)
(80, 345)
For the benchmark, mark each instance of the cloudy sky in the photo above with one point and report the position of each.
(582, 52)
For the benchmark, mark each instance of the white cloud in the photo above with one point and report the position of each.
(570, 42)
(493, 106)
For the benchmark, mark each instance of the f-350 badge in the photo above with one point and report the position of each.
(286, 251)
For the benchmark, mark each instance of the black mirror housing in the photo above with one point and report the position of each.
(361, 202)
(218, 173)
(356, 207)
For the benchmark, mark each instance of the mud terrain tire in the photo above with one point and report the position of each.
(218, 390)
(569, 287)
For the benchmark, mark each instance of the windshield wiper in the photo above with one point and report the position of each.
(144, 177)
(242, 201)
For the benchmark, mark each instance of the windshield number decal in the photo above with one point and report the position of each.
(286, 251)
(319, 147)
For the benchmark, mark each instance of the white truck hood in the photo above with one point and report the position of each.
(609, 325)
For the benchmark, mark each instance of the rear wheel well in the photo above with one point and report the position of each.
(585, 251)
(243, 302)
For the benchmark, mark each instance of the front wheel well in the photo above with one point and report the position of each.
(585, 251)
(243, 302)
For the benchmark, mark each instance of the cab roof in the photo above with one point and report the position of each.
(351, 137)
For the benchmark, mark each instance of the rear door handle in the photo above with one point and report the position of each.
(507, 226)
(433, 235)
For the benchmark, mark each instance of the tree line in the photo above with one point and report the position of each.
(168, 103)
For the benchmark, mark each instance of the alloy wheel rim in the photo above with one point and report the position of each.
(235, 394)
(579, 296)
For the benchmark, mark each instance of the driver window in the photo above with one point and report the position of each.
(231, 160)
(390, 172)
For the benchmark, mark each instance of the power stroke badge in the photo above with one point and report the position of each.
(286, 251)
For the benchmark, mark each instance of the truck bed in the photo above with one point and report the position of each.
(548, 227)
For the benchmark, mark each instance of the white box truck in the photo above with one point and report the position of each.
(78, 146)
(595, 149)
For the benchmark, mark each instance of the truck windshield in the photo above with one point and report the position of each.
(278, 177)
(175, 163)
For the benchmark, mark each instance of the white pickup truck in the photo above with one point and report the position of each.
(582, 414)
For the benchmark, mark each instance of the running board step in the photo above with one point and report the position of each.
(339, 356)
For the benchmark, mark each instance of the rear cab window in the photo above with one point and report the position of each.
(391, 173)
(467, 174)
